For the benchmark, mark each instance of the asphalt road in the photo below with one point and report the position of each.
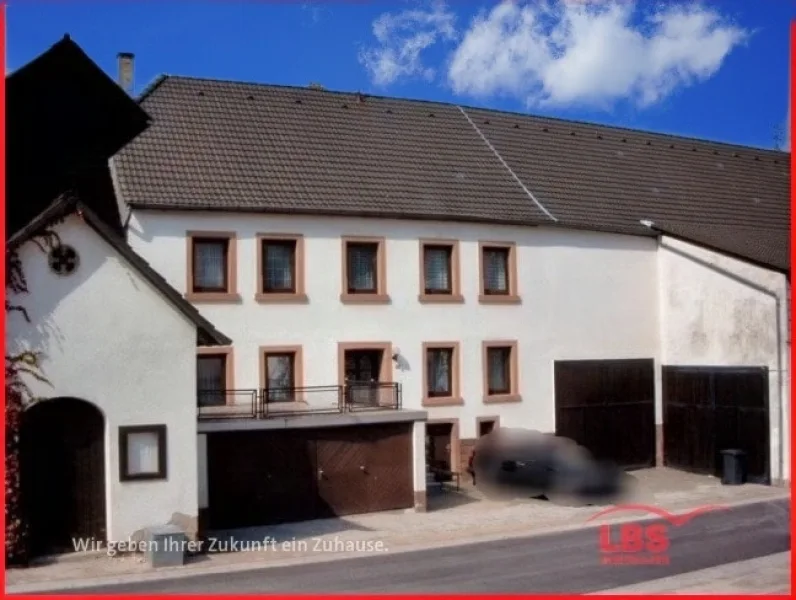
(566, 562)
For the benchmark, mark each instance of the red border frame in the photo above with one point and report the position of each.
(393, 597)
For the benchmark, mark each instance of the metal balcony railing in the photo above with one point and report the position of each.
(283, 402)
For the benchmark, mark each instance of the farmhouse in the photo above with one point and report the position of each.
(394, 278)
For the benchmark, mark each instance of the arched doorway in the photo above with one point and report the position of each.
(62, 474)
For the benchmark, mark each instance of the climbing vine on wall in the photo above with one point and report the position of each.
(18, 396)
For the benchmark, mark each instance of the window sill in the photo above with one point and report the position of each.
(364, 298)
(498, 299)
(213, 297)
(280, 298)
(502, 399)
(126, 478)
(442, 401)
(441, 299)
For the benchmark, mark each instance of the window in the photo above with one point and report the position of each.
(486, 425)
(500, 372)
(441, 374)
(142, 452)
(364, 270)
(498, 273)
(439, 271)
(211, 266)
(281, 268)
(281, 373)
(211, 379)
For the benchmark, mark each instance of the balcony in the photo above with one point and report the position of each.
(290, 402)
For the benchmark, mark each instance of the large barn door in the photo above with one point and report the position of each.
(608, 406)
(708, 409)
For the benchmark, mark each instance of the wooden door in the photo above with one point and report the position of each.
(362, 373)
(260, 478)
(608, 407)
(364, 469)
(709, 409)
(342, 454)
(63, 474)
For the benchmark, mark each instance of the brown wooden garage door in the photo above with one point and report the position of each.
(608, 406)
(708, 409)
(264, 477)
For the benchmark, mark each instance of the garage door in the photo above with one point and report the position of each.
(263, 477)
(608, 406)
(707, 409)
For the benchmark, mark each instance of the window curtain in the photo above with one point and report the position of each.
(361, 267)
(142, 453)
(279, 267)
(497, 360)
(210, 383)
(495, 271)
(439, 372)
(209, 266)
(280, 378)
(437, 267)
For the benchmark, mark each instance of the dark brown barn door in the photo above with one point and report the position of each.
(63, 474)
(260, 478)
(608, 406)
(708, 409)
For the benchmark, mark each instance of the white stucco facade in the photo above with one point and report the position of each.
(108, 337)
(584, 296)
(720, 311)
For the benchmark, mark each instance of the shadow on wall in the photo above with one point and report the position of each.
(46, 292)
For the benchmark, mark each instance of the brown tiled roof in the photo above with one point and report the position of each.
(217, 145)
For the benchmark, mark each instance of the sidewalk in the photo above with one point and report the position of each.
(453, 519)
(765, 575)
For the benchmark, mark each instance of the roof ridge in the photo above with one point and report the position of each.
(454, 105)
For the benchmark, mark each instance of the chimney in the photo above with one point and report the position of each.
(126, 62)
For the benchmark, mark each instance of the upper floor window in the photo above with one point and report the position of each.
(439, 271)
(211, 266)
(364, 266)
(281, 272)
(498, 273)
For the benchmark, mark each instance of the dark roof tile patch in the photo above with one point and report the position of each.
(296, 150)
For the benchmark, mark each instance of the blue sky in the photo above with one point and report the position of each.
(717, 70)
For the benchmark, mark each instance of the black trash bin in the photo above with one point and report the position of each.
(733, 471)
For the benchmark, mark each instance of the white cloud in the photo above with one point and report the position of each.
(590, 53)
(402, 38)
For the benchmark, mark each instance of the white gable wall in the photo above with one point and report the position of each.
(108, 337)
(585, 296)
(720, 311)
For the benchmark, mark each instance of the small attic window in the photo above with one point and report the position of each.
(201, 93)
(345, 106)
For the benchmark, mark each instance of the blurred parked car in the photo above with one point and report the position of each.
(524, 463)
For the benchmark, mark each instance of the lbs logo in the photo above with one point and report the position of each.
(637, 543)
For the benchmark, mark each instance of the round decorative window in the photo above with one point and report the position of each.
(63, 260)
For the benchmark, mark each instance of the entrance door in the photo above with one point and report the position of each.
(362, 372)
(63, 474)
(438, 446)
